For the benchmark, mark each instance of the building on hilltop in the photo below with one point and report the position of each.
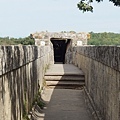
(62, 42)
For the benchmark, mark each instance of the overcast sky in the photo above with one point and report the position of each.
(19, 18)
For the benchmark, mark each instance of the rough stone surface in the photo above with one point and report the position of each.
(100, 65)
(46, 36)
(69, 54)
(21, 75)
(108, 55)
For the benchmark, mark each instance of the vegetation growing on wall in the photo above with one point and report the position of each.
(104, 38)
(16, 41)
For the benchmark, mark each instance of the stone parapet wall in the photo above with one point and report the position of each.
(101, 66)
(108, 55)
(21, 76)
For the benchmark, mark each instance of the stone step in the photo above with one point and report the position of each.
(65, 87)
(74, 83)
(65, 77)
(64, 73)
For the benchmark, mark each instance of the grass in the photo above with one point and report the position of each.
(39, 101)
(25, 117)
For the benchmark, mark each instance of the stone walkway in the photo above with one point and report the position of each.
(64, 104)
(64, 69)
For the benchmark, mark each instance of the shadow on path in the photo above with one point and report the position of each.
(61, 103)
(66, 104)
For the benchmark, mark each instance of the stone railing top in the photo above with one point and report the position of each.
(108, 55)
(67, 35)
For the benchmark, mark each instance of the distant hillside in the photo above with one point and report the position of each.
(95, 39)
(104, 39)
(14, 41)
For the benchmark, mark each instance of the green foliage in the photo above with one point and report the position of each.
(39, 101)
(85, 5)
(26, 41)
(14, 41)
(25, 116)
(104, 39)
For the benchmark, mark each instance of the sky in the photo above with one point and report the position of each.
(20, 18)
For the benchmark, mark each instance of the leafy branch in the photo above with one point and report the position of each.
(85, 5)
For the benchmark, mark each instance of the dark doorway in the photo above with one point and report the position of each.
(59, 46)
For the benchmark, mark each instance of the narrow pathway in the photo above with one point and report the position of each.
(63, 101)
(65, 104)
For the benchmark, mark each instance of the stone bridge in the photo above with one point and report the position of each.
(22, 70)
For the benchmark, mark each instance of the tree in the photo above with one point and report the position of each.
(85, 5)
(17, 41)
(104, 39)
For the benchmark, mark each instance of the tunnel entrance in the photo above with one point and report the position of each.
(59, 46)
